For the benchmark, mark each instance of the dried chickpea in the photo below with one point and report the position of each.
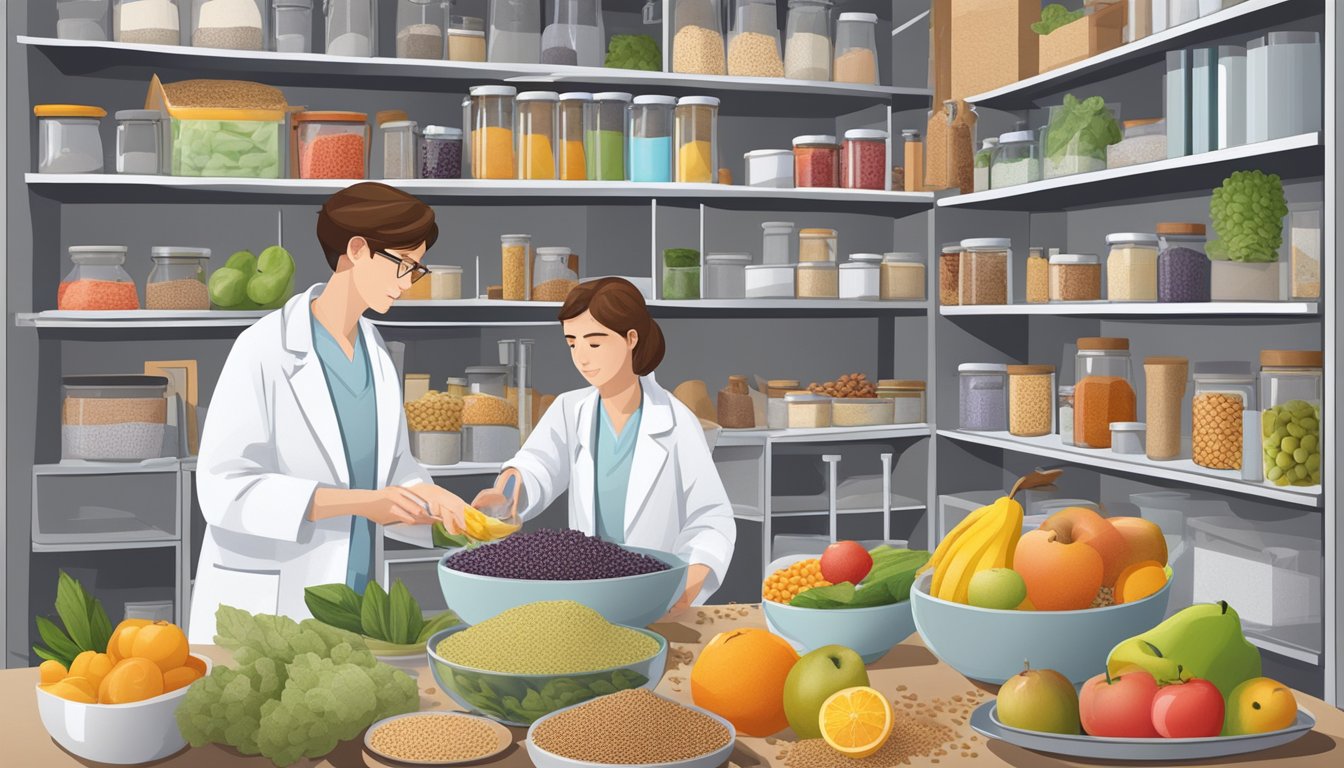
(787, 583)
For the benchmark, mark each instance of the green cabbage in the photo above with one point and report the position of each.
(1247, 213)
(634, 52)
(1081, 128)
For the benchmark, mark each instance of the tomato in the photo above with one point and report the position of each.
(1189, 710)
(1121, 706)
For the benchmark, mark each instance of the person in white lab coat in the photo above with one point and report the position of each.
(304, 452)
(633, 457)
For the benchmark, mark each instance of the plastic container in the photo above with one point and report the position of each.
(400, 152)
(139, 141)
(1291, 394)
(604, 136)
(552, 279)
(492, 149)
(1182, 268)
(441, 153)
(82, 20)
(907, 397)
(697, 139)
(331, 145)
(352, 28)
(575, 34)
(726, 275)
(903, 277)
(68, 139)
(146, 22)
(652, 124)
(515, 32)
(1065, 419)
(257, 131)
(436, 449)
(98, 281)
(1283, 92)
(1222, 392)
(815, 244)
(1075, 277)
(1177, 85)
(808, 411)
(457, 386)
(777, 242)
(863, 159)
(1246, 281)
(697, 43)
(536, 134)
(113, 418)
(861, 411)
(807, 40)
(949, 275)
(1276, 575)
(238, 25)
(820, 280)
(466, 38)
(490, 443)
(177, 280)
(772, 168)
(420, 29)
(1073, 154)
(1306, 244)
(1031, 400)
(984, 276)
(1164, 394)
(1016, 160)
(571, 156)
(490, 380)
(291, 26)
(983, 161)
(445, 282)
(1145, 141)
(1127, 437)
(856, 49)
(859, 278)
(753, 40)
(983, 401)
(816, 161)
(516, 259)
(1104, 392)
(1038, 277)
(681, 274)
(771, 281)
(1131, 266)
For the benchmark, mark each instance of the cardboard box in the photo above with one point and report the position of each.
(1102, 29)
(992, 44)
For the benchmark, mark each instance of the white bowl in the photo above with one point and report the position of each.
(119, 734)
(544, 759)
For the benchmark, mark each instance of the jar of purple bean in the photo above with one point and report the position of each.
(1182, 266)
(441, 153)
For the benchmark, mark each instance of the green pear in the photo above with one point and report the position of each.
(1039, 700)
(1204, 641)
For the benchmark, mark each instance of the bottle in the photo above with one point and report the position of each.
(914, 160)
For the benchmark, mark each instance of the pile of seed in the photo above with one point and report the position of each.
(919, 730)
(557, 637)
(548, 554)
(186, 293)
(632, 727)
(752, 54)
(435, 738)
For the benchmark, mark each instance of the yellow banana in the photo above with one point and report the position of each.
(483, 528)
(966, 552)
(945, 546)
(1000, 555)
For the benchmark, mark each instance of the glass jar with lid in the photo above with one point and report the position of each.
(863, 159)
(515, 31)
(466, 38)
(697, 139)
(1104, 392)
(777, 242)
(903, 277)
(81, 20)
(816, 161)
(1164, 394)
(817, 244)
(807, 40)
(330, 145)
(856, 49)
(983, 400)
(1016, 160)
(604, 135)
(817, 280)
(420, 32)
(146, 22)
(575, 35)
(352, 28)
(445, 282)
(651, 129)
(139, 137)
(492, 151)
(1065, 419)
(67, 138)
(400, 149)
(1145, 141)
(681, 274)
(1038, 277)
(753, 40)
(1075, 277)
(571, 156)
(1222, 392)
(1183, 271)
(984, 276)
(861, 276)
(907, 397)
(982, 161)
(177, 280)
(697, 43)
(1131, 266)
(441, 153)
(949, 275)
(238, 25)
(726, 275)
(292, 26)
(1031, 400)
(536, 134)
(98, 280)
(516, 263)
(552, 279)
(1292, 392)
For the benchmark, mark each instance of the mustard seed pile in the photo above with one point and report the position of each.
(635, 727)
(439, 738)
(558, 637)
(924, 731)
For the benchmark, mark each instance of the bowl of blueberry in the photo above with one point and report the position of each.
(627, 585)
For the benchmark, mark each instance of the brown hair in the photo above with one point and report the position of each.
(384, 216)
(618, 305)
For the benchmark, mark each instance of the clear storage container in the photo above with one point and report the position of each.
(515, 31)
(1065, 420)
(81, 20)
(1038, 277)
(949, 275)
(808, 411)
(420, 32)
(816, 161)
(1016, 160)
(252, 137)
(441, 153)
(571, 156)
(238, 25)
(983, 401)
(818, 280)
(1131, 266)
(1164, 393)
(98, 281)
(770, 168)
(1145, 141)
(604, 135)
(856, 49)
(1283, 92)
(68, 139)
(516, 258)
(903, 277)
(777, 242)
(292, 26)
(1075, 277)
(492, 380)
(466, 38)
(536, 134)
(1127, 437)
(552, 279)
(1292, 393)
(861, 411)
(400, 152)
(113, 418)
(1182, 267)
(177, 280)
(753, 40)
(907, 397)
(697, 139)
(681, 274)
(139, 141)
(861, 278)
(983, 161)
(492, 150)
(1076, 150)
(352, 28)
(1305, 242)
(807, 40)
(1273, 567)
(445, 283)
(575, 35)
(816, 244)
(1222, 392)
(863, 159)
(330, 145)
(697, 44)
(726, 277)
(984, 276)
(436, 449)
(651, 129)
(1104, 392)
(146, 22)
(1031, 400)
(771, 281)
(457, 387)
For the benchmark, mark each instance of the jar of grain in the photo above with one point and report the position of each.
(536, 135)
(816, 161)
(400, 148)
(726, 275)
(697, 139)
(983, 402)
(1222, 392)
(148, 23)
(492, 150)
(1038, 277)
(1127, 437)
(1164, 390)
(817, 244)
(1291, 392)
(239, 25)
(902, 277)
(807, 41)
(861, 411)
(753, 40)
(863, 162)
(420, 26)
(1031, 400)
(551, 278)
(98, 280)
(778, 388)
(445, 282)
(466, 38)
(856, 49)
(1075, 277)
(490, 380)
(516, 254)
(907, 396)
(177, 280)
(113, 418)
(697, 45)
(1131, 267)
(1183, 271)
(949, 275)
(1065, 419)
(984, 276)
(821, 280)
(1104, 392)
(861, 278)
(1016, 160)
(441, 153)
(983, 160)
(808, 411)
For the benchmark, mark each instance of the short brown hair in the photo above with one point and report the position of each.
(618, 305)
(383, 215)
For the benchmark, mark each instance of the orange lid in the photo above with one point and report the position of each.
(1292, 358)
(68, 110)
(1179, 228)
(1103, 343)
(1030, 370)
(331, 117)
(1144, 121)
(391, 116)
(1165, 361)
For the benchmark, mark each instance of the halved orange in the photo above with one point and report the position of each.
(856, 722)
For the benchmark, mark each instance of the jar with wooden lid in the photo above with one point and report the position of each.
(907, 396)
(1031, 400)
(816, 244)
(1104, 392)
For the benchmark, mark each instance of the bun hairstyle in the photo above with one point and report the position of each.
(618, 305)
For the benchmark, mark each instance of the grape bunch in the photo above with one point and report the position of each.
(1292, 443)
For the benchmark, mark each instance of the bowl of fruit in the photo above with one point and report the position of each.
(849, 596)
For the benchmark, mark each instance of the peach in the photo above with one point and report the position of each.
(119, 645)
(51, 671)
(1060, 575)
(1085, 526)
(179, 678)
(1145, 538)
(1139, 581)
(131, 680)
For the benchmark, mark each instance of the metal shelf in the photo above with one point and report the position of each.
(152, 466)
(733, 438)
(464, 469)
(1310, 309)
(898, 504)
(106, 546)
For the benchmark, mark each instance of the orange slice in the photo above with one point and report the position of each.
(856, 722)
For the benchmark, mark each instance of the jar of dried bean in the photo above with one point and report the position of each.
(98, 280)
(177, 280)
(949, 275)
(1038, 277)
(816, 161)
(551, 278)
(902, 277)
(817, 244)
(331, 145)
(984, 276)
(1131, 267)
(1075, 277)
(1104, 392)
(818, 280)
(1183, 271)
(441, 153)
(1222, 392)
(1031, 400)
(863, 163)
(516, 255)
(983, 402)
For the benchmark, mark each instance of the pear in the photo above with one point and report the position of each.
(1039, 700)
(1204, 641)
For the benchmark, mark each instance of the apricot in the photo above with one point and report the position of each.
(72, 689)
(92, 665)
(119, 645)
(196, 664)
(162, 643)
(1139, 581)
(51, 671)
(179, 678)
(132, 680)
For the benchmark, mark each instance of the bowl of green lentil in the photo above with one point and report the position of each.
(538, 658)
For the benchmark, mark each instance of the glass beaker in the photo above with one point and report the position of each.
(753, 40)
(576, 34)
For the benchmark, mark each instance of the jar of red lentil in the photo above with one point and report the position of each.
(98, 280)
(863, 163)
(816, 161)
(331, 145)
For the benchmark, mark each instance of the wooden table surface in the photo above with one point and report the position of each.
(909, 674)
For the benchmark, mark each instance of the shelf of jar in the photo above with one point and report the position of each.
(1179, 470)
(82, 467)
(1141, 309)
(105, 546)
(1293, 157)
(137, 318)
(730, 438)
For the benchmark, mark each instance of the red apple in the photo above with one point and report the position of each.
(1085, 526)
(1120, 706)
(1189, 710)
(1060, 576)
(845, 561)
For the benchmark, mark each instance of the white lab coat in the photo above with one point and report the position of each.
(270, 441)
(675, 502)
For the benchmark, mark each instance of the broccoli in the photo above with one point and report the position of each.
(634, 52)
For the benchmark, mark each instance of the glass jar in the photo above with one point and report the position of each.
(1104, 392)
(1131, 267)
(515, 32)
(651, 128)
(753, 40)
(67, 138)
(1183, 271)
(238, 25)
(177, 280)
(1065, 420)
(1075, 277)
(113, 418)
(1164, 393)
(98, 280)
(1305, 245)
(1076, 151)
(516, 260)
(1127, 437)
(983, 160)
(856, 49)
(777, 242)
(492, 151)
(816, 244)
(697, 44)
(139, 137)
(1038, 277)
(420, 29)
(863, 162)
(816, 161)
(1222, 393)
(571, 158)
(352, 28)
(575, 35)
(1145, 141)
(551, 278)
(983, 401)
(456, 386)
(727, 275)
(81, 20)
(903, 277)
(536, 134)
(492, 380)
(146, 22)
(681, 274)
(399, 149)
(466, 38)
(1016, 160)
(1292, 392)
(441, 153)
(949, 275)
(292, 26)
(861, 278)
(1031, 400)
(817, 280)
(808, 411)
(807, 40)
(984, 276)
(445, 282)
(697, 139)
(604, 136)
(907, 397)
(330, 145)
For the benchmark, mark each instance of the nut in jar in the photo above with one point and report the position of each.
(847, 386)
(434, 412)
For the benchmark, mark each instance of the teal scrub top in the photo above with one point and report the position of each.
(350, 383)
(615, 455)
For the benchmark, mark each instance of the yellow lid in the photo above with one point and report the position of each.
(330, 117)
(68, 110)
(227, 113)
(812, 232)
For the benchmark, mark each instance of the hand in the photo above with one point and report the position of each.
(495, 498)
(695, 582)
(393, 504)
(445, 507)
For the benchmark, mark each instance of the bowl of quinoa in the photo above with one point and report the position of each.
(435, 738)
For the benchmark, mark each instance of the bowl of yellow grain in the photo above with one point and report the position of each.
(433, 738)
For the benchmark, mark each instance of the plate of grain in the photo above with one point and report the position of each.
(433, 738)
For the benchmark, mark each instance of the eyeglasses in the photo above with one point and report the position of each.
(406, 266)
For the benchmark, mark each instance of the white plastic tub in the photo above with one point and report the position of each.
(770, 168)
(1272, 579)
(770, 281)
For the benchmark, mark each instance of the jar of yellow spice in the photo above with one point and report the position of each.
(492, 151)
(536, 134)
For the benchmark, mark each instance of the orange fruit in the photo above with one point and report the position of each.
(162, 643)
(740, 677)
(179, 678)
(50, 671)
(72, 689)
(856, 722)
(91, 665)
(1139, 581)
(122, 637)
(131, 680)
(196, 664)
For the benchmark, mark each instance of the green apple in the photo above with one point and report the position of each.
(1204, 641)
(813, 679)
(998, 588)
(1039, 700)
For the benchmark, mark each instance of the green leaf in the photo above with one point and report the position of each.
(1054, 16)
(59, 644)
(336, 605)
(100, 626)
(825, 597)
(375, 613)
(442, 539)
(437, 624)
(72, 605)
(404, 619)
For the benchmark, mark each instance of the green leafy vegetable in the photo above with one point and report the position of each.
(335, 604)
(889, 581)
(1054, 16)
(1247, 213)
(390, 618)
(1081, 128)
(87, 627)
(444, 540)
(634, 52)
(376, 612)
(518, 700)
